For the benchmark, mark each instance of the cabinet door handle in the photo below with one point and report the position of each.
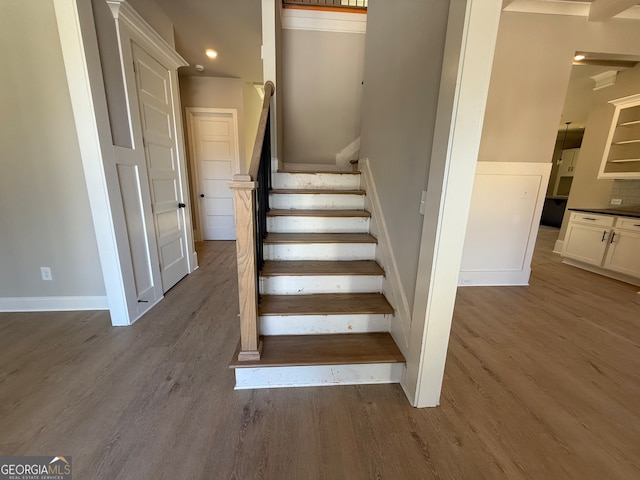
(636, 224)
(612, 237)
(589, 218)
(604, 234)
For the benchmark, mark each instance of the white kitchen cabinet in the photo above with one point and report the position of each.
(621, 157)
(605, 244)
(587, 237)
(623, 251)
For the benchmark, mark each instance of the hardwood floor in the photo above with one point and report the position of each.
(354, 348)
(542, 382)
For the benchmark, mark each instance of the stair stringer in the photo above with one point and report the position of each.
(391, 285)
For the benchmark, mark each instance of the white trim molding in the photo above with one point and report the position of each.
(563, 7)
(76, 28)
(472, 30)
(145, 34)
(53, 304)
(340, 22)
(391, 285)
(350, 152)
(558, 247)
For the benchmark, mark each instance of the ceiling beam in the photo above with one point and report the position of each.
(602, 10)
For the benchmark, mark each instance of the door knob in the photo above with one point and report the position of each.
(202, 195)
(181, 205)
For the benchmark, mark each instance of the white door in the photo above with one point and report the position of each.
(214, 153)
(623, 254)
(158, 131)
(586, 243)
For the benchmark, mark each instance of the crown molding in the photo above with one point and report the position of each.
(144, 33)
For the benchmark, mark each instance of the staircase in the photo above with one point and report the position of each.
(322, 317)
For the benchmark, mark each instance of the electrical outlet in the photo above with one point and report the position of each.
(45, 272)
(616, 201)
(466, 281)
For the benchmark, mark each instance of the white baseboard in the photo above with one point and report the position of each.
(194, 262)
(558, 247)
(391, 286)
(52, 304)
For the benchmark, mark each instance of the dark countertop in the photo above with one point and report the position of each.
(635, 213)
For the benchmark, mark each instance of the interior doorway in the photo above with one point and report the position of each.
(215, 159)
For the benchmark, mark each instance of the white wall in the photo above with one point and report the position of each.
(156, 17)
(400, 96)
(214, 92)
(44, 211)
(530, 75)
(252, 111)
(323, 73)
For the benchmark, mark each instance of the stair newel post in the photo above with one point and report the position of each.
(251, 203)
(244, 194)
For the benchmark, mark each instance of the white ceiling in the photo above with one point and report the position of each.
(596, 10)
(580, 97)
(231, 27)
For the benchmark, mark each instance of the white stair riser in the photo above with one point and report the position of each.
(323, 324)
(284, 224)
(323, 251)
(311, 201)
(305, 285)
(318, 375)
(329, 181)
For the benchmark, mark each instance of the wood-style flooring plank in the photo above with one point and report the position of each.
(339, 349)
(541, 382)
(274, 268)
(324, 304)
(319, 238)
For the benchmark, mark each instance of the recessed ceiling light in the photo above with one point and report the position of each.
(579, 57)
(211, 53)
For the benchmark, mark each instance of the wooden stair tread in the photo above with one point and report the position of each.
(274, 268)
(312, 238)
(294, 212)
(315, 191)
(337, 349)
(315, 172)
(325, 304)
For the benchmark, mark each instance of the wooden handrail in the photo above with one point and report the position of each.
(254, 166)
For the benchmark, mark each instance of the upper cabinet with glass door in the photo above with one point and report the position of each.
(621, 157)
